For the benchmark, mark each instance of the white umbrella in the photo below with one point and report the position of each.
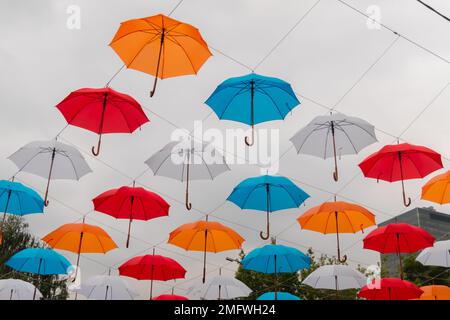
(15, 289)
(105, 287)
(335, 277)
(186, 161)
(51, 160)
(437, 255)
(219, 288)
(326, 136)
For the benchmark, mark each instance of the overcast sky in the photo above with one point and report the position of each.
(328, 52)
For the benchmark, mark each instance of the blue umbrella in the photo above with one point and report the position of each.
(39, 261)
(267, 193)
(253, 99)
(277, 296)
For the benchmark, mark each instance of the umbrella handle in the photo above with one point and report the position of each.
(336, 175)
(261, 233)
(252, 142)
(152, 92)
(96, 153)
(406, 202)
(343, 259)
(188, 205)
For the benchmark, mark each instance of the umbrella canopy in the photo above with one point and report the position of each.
(206, 236)
(170, 297)
(16, 289)
(435, 292)
(328, 136)
(335, 277)
(107, 287)
(401, 162)
(398, 238)
(253, 99)
(337, 217)
(390, 289)
(102, 110)
(152, 267)
(185, 161)
(132, 203)
(437, 255)
(51, 160)
(437, 189)
(269, 194)
(220, 288)
(277, 296)
(160, 46)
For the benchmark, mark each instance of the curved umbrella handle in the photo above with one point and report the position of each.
(252, 142)
(261, 234)
(152, 92)
(96, 153)
(406, 202)
(188, 205)
(336, 175)
(343, 259)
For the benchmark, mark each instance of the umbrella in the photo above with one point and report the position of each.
(16, 289)
(335, 277)
(160, 46)
(170, 297)
(274, 259)
(437, 255)
(39, 261)
(188, 161)
(253, 99)
(267, 193)
(435, 292)
(390, 289)
(107, 287)
(220, 288)
(325, 136)
(102, 111)
(132, 203)
(206, 236)
(401, 162)
(80, 238)
(51, 160)
(337, 217)
(277, 296)
(15, 198)
(398, 238)
(437, 189)
(152, 267)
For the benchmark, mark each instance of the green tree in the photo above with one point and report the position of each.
(424, 275)
(16, 237)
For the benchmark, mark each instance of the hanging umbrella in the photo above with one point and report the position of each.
(51, 160)
(437, 189)
(437, 255)
(160, 46)
(170, 297)
(17, 199)
(253, 99)
(107, 287)
(132, 203)
(102, 111)
(435, 292)
(274, 259)
(401, 162)
(39, 261)
(186, 161)
(335, 277)
(220, 288)
(398, 238)
(152, 267)
(328, 136)
(390, 289)
(269, 194)
(16, 289)
(80, 238)
(206, 236)
(277, 296)
(337, 217)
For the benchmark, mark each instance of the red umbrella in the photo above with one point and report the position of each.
(397, 238)
(133, 203)
(169, 297)
(401, 162)
(102, 110)
(152, 267)
(390, 289)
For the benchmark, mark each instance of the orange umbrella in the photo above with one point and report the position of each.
(160, 46)
(435, 293)
(337, 217)
(206, 236)
(80, 238)
(437, 189)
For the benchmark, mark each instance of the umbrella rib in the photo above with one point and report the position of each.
(185, 53)
(362, 128)
(326, 142)
(348, 137)
(308, 135)
(271, 99)
(140, 50)
(161, 164)
(232, 98)
(207, 168)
